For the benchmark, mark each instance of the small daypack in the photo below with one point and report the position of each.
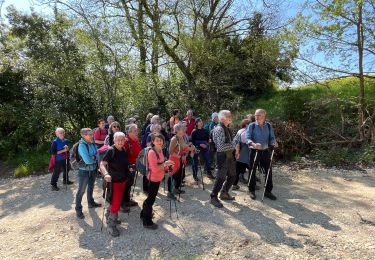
(142, 160)
(75, 158)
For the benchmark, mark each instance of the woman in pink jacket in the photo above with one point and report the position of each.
(157, 165)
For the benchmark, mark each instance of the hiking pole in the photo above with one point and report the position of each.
(135, 183)
(268, 173)
(170, 199)
(66, 170)
(179, 188)
(200, 169)
(252, 168)
(104, 204)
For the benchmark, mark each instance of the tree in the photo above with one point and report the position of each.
(342, 31)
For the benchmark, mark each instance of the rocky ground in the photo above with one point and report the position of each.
(320, 213)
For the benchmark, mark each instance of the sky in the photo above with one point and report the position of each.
(290, 9)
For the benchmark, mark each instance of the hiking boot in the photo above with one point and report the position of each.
(171, 196)
(270, 196)
(94, 205)
(80, 215)
(68, 182)
(124, 209)
(180, 191)
(216, 202)
(252, 195)
(235, 187)
(131, 203)
(151, 225)
(226, 196)
(112, 228)
(55, 188)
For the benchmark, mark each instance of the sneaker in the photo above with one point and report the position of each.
(55, 188)
(80, 215)
(95, 205)
(252, 195)
(151, 226)
(235, 187)
(216, 202)
(131, 203)
(270, 196)
(68, 182)
(226, 196)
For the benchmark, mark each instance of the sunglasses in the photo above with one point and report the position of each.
(116, 126)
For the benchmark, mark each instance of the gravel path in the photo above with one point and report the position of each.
(320, 213)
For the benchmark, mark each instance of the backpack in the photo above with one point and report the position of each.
(142, 160)
(269, 131)
(76, 159)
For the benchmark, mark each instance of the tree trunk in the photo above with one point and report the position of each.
(361, 98)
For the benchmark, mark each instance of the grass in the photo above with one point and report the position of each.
(31, 161)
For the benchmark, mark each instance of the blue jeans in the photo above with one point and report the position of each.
(205, 153)
(85, 179)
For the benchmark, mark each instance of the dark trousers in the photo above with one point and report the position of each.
(149, 202)
(212, 154)
(205, 154)
(263, 159)
(128, 187)
(60, 166)
(177, 179)
(145, 183)
(226, 172)
(240, 169)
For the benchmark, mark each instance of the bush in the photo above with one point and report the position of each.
(21, 171)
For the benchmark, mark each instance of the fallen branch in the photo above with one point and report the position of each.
(365, 221)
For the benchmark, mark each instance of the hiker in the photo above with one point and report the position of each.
(226, 173)
(100, 133)
(260, 136)
(154, 128)
(210, 126)
(110, 120)
(178, 150)
(242, 154)
(154, 120)
(60, 150)
(175, 119)
(133, 148)
(148, 121)
(200, 138)
(157, 167)
(113, 128)
(190, 123)
(114, 169)
(87, 171)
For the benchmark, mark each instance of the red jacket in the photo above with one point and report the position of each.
(190, 125)
(135, 149)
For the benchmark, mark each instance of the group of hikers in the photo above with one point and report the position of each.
(160, 152)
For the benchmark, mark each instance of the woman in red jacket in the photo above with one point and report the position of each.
(133, 148)
(157, 167)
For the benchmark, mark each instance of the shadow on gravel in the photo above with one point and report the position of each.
(32, 193)
(299, 214)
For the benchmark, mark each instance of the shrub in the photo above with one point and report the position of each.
(21, 171)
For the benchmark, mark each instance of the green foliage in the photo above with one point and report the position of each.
(21, 171)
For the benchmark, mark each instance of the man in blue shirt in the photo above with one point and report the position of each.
(87, 171)
(260, 136)
(60, 149)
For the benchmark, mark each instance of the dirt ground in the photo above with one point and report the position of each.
(320, 214)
